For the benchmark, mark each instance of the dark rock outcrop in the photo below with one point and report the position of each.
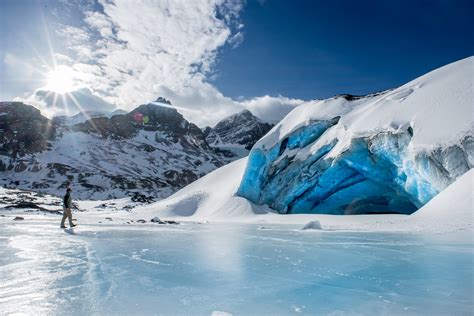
(242, 128)
(23, 130)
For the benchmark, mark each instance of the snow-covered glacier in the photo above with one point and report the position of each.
(389, 152)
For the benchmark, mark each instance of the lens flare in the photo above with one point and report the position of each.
(61, 79)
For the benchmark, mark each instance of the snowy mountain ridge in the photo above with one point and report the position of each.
(80, 117)
(237, 133)
(151, 150)
(83, 116)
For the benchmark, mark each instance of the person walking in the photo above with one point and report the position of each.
(67, 204)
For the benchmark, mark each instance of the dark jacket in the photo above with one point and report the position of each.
(67, 201)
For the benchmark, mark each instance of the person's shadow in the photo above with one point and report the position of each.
(70, 231)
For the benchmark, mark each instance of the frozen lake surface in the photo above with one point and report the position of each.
(198, 269)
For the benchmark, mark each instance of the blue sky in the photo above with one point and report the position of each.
(315, 49)
(212, 58)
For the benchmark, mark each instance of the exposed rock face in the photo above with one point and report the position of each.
(147, 117)
(206, 130)
(23, 130)
(241, 130)
(163, 101)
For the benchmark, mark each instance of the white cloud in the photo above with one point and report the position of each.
(77, 40)
(134, 51)
(63, 59)
(71, 103)
(141, 43)
(74, 35)
(99, 22)
(271, 109)
(236, 40)
(206, 105)
(25, 69)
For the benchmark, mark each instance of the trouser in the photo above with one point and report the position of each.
(67, 213)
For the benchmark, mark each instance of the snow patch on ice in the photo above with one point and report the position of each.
(220, 313)
(312, 225)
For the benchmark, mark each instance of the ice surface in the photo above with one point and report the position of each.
(201, 269)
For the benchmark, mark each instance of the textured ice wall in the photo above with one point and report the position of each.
(376, 174)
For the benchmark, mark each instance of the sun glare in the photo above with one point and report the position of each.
(60, 79)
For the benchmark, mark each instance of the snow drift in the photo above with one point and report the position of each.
(211, 197)
(390, 152)
(452, 207)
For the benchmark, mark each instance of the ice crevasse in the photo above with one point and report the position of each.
(389, 152)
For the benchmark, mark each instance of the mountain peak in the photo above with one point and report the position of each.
(158, 113)
(240, 129)
(245, 114)
(155, 107)
(163, 101)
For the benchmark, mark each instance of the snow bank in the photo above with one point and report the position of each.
(452, 208)
(212, 196)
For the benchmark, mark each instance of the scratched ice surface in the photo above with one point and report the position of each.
(238, 269)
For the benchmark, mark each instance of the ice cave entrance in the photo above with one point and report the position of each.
(376, 174)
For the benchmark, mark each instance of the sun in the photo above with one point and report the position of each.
(61, 79)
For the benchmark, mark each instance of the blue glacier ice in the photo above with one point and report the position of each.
(375, 174)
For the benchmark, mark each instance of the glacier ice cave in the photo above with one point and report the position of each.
(375, 174)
